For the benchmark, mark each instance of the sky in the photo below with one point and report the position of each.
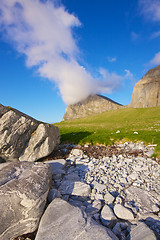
(57, 52)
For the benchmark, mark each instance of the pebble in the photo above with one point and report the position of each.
(113, 189)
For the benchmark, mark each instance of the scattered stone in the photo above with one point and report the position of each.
(57, 166)
(123, 213)
(108, 198)
(79, 189)
(107, 216)
(24, 188)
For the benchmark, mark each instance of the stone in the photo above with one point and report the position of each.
(24, 138)
(117, 229)
(98, 186)
(91, 105)
(24, 188)
(79, 189)
(146, 92)
(143, 199)
(108, 198)
(53, 193)
(62, 221)
(41, 143)
(140, 231)
(107, 216)
(94, 208)
(57, 165)
(76, 152)
(123, 213)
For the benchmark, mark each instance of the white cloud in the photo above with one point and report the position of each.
(43, 32)
(150, 9)
(111, 59)
(155, 60)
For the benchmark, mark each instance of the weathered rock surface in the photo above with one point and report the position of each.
(23, 138)
(146, 92)
(24, 188)
(78, 189)
(61, 221)
(94, 104)
(140, 231)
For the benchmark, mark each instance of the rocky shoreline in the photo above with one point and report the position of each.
(116, 187)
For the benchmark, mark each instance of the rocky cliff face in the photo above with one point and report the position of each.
(146, 92)
(94, 104)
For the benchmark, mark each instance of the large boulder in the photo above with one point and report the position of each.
(94, 104)
(24, 138)
(146, 92)
(62, 221)
(24, 188)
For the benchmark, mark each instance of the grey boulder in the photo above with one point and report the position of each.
(140, 231)
(62, 221)
(24, 188)
(24, 138)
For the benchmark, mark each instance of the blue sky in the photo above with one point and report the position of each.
(57, 52)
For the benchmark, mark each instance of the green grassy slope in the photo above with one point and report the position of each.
(102, 128)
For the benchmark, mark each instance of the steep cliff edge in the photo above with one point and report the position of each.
(146, 92)
(94, 104)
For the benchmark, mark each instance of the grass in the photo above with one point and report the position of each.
(102, 128)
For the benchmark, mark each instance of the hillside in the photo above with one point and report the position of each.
(91, 105)
(142, 124)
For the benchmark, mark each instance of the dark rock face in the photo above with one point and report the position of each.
(146, 92)
(94, 104)
(24, 188)
(24, 138)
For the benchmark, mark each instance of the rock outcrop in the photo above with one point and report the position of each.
(146, 92)
(24, 138)
(94, 104)
(61, 221)
(24, 188)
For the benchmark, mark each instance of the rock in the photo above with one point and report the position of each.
(24, 188)
(24, 138)
(117, 229)
(78, 189)
(53, 193)
(123, 213)
(146, 92)
(142, 199)
(77, 152)
(57, 165)
(94, 208)
(107, 216)
(108, 198)
(62, 221)
(92, 105)
(140, 231)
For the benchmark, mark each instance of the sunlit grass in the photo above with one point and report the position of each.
(102, 128)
